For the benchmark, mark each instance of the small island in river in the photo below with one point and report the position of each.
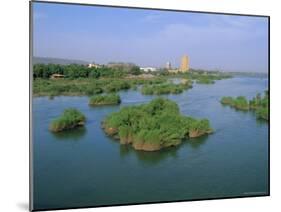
(109, 99)
(259, 104)
(153, 126)
(166, 88)
(71, 118)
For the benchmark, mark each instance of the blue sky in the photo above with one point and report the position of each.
(150, 37)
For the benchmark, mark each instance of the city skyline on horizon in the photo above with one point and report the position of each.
(150, 37)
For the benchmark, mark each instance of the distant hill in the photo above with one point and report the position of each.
(47, 60)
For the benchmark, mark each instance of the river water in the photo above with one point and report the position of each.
(86, 168)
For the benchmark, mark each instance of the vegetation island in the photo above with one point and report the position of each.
(71, 118)
(259, 104)
(153, 126)
(109, 99)
(166, 88)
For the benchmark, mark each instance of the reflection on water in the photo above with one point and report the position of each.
(197, 142)
(71, 135)
(149, 158)
(154, 157)
(261, 122)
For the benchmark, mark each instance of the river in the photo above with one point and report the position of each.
(87, 168)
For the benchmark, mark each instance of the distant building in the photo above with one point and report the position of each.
(148, 69)
(94, 65)
(184, 67)
(168, 65)
(57, 76)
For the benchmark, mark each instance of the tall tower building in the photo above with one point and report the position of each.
(184, 67)
(168, 65)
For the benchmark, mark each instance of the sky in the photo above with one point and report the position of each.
(150, 37)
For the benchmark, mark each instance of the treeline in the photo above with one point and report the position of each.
(74, 71)
(259, 104)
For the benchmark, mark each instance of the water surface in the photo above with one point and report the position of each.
(86, 168)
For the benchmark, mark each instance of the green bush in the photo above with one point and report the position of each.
(258, 103)
(165, 88)
(227, 100)
(110, 99)
(241, 103)
(71, 118)
(262, 113)
(153, 126)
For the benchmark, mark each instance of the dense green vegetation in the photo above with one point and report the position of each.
(109, 99)
(87, 86)
(70, 118)
(153, 126)
(75, 71)
(239, 102)
(262, 113)
(258, 103)
(165, 88)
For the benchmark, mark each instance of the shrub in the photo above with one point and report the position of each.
(153, 126)
(71, 118)
(258, 103)
(165, 88)
(110, 99)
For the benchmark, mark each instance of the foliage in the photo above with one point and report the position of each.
(205, 80)
(153, 126)
(262, 113)
(227, 100)
(71, 118)
(258, 103)
(165, 88)
(239, 102)
(86, 86)
(74, 71)
(110, 99)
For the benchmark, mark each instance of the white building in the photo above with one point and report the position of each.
(93, 65)
(168, 65)
(148, 69)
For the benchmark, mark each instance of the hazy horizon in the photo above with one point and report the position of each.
(150, 37)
